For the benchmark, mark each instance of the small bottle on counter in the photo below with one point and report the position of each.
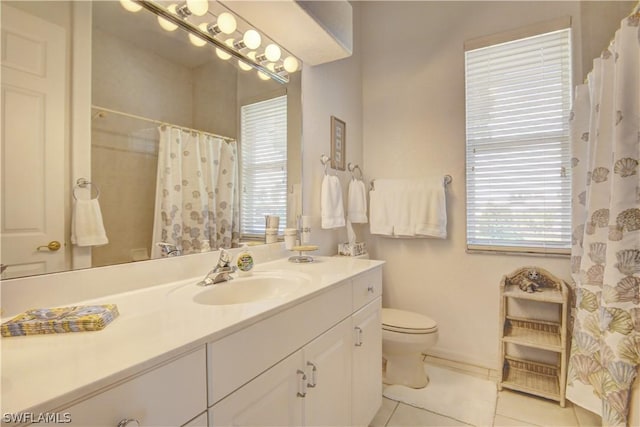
(245, 262)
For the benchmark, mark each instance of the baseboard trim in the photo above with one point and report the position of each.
(463, 367)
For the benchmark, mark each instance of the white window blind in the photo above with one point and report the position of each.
(263, 147)
(518, 97)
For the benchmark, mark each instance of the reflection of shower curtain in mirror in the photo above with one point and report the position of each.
(197, 203)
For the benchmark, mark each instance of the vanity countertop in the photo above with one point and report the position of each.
(45, 372)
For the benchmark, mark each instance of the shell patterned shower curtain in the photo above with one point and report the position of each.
(605, 256)
(197, 200)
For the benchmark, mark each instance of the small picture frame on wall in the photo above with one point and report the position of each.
(338, 143)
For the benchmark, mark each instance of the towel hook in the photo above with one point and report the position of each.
(83, 183)
(352, 168)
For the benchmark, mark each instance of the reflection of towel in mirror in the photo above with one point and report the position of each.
(357, 202)
(331, 206)
(87, 228)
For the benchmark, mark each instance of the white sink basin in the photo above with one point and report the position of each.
(242, 290)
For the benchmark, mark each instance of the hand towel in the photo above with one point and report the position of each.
(87, 228)
(331, 206)
(357, 198)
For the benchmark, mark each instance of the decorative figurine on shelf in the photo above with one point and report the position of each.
(532, 279)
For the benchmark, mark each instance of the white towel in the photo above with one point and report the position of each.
(331, 206)
(87, 228)
(357, 198)
(408, 208)
(429, 210)
(382, 206)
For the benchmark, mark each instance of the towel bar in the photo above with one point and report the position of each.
(448, 179)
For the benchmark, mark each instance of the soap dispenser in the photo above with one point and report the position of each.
(244, 261)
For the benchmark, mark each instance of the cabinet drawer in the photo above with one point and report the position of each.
(171, 394)
(236, 359)
(366, 288)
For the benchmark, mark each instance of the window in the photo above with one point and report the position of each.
(518, 97)
(263, 149)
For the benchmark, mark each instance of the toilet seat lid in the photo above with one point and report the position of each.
(407, 322)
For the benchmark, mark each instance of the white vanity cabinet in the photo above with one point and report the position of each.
(306, 388)
(327, 363)
(311, 361)
(367, 347)
(273, 398)
(171, 394)
(318, 363)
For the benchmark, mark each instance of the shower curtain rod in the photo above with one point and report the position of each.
(146, 119)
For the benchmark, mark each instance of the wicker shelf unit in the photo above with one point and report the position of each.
(525, 330)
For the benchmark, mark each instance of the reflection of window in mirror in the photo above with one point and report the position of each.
(263, 147)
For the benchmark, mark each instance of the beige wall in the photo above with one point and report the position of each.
(414, 126)
(333, 89)
(600, 20)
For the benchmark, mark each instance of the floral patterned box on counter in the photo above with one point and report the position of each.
(60, 320)
(355, 249)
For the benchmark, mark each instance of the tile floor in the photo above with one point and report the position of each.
(512, 409)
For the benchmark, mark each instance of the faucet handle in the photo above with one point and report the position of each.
(225, 258)
(168, 249)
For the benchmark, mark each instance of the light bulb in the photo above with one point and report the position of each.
(130, 5)
(263, 76)
(243, 65)
(166, 25)
(227, 23)
(198, 7)
(272, 52)
(271, 67)
(252, 39)
(221, 53)
(290, 64)
(197, 41)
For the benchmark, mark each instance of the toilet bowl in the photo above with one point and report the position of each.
(405, 336)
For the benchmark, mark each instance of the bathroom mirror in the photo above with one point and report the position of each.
(141, 77)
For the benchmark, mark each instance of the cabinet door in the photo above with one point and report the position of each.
(171, 394)
(367, 363)
(328, 369)
(271, 399)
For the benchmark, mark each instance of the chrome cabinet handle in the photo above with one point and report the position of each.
(358, 336)
(314, 373)
(53, 246)
(370, 289)
(302, 384)
(129, 422)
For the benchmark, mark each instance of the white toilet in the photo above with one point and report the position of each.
(405, 336)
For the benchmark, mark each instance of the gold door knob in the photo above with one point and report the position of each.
(53, 246)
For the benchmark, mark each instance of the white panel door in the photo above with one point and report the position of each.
(271, 399)
(367, 363)
(328, 366)
(33, 143)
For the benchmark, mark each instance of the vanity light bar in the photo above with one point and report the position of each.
(206, 36)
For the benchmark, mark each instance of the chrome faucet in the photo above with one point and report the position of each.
(168, 249)
(221, 272)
